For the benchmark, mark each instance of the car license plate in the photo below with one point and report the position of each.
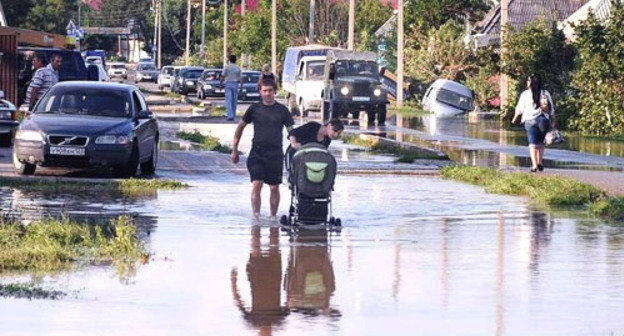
(253, 94)
(359, 98)
(147, 77)
(73, 151)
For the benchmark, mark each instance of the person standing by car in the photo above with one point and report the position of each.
(536, 121)
(43, 79)
(266, 157)
(231, 75)
(266, 73)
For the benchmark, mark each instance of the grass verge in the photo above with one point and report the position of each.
(208, 142)
(28, 291)
(128, 187)
(405, 154)
(552, 191)
(57, 244)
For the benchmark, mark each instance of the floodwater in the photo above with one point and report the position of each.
(415, 256)
(485, 143)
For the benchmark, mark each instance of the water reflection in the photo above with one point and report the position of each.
(309, 281)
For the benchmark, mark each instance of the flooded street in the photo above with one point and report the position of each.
(415, 255)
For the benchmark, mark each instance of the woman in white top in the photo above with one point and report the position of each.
(536, 108)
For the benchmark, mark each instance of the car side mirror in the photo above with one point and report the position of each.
(382, 71)
(145, 114)
(93, 74)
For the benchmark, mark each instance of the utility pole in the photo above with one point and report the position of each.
(243, 9)
(351, 24)
(159, 33)
(154, 48)
(504, 80)
(225, 29)
(188, 33)
(202, 48)
(311, 29)
(274, 36)
(400, 44)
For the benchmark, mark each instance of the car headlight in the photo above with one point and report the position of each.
(190, 83)
(111, 139)
(26, 135)
(180, 80)
(244, 90)
(344, 90)
(208, 87)
(377, 92)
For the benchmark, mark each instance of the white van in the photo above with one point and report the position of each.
(446, 98)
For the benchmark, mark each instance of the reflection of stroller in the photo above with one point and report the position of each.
(311, 175)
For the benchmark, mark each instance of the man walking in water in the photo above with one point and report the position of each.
(266, 157)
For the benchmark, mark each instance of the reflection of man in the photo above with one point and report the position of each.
(43, 79)
(264, 271)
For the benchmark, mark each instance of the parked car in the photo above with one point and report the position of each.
(164, 77)
(146, 72)
(117, 70)
(186, 80)
(8, 121)
(209, 84)
(72, 68)
(88, 124)
(92, 54)
(446, 98)
(250, 91)
(352, 85)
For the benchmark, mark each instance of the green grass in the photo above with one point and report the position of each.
(554, 191)
(28, 291)
(208, 142)
(173, 95)
(405, 154)
(407, 111)
(128, 187)
(58, 244)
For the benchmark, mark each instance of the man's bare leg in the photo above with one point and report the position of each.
(275, 199)
(256, 188)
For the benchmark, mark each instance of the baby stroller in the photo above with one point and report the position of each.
(311, 175)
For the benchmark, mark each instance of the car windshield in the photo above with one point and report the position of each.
(118, 66)
(454, 99)
(212, 75)
(91, 102)
(191, 73)
(146, 67)
(316, 70)
(251, 77)
(356, 68)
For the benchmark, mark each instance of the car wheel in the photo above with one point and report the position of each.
(23, 168)
(149, 167)
(5, 139)
(371, 117)
(381, 115)
(129, 169)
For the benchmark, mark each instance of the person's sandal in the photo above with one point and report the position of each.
(540, 167)
(533, 170)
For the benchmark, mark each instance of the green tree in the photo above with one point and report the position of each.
(369, 16)
(538, 48)
(424, 15)
(598, 82)
(440, 53)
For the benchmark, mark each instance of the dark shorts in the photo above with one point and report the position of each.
(536, 130)
(266, 166)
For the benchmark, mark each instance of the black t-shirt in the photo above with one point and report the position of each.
(268, 121)
(307, 133)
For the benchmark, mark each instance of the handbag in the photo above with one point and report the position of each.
(553, 137)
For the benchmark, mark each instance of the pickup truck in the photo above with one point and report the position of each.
(302, 78)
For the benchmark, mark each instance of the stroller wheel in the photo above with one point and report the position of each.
(338, 222)
(332, 221)
(284, 220)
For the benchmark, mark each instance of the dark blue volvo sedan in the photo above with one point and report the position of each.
(88, 125)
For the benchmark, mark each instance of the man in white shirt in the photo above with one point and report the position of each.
(231, 75)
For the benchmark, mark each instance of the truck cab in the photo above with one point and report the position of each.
(352, 83)
(309, 84)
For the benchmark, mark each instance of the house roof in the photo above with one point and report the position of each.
(600, 8)
(522, 12)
